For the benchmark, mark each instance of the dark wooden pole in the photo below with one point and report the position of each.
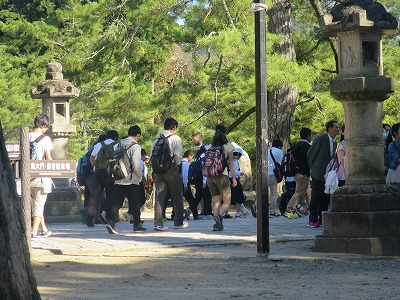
(25, 182)
(261, 128)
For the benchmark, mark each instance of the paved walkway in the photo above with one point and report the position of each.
(288, 238)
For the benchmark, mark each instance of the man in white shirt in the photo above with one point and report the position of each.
(102, 181)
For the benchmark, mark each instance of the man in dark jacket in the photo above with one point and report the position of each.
(320, 153)
(302, 177)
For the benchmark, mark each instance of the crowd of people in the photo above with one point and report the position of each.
(173, 185)
(312, 182)
(104, 196)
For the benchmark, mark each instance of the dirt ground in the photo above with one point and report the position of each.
(214, 272)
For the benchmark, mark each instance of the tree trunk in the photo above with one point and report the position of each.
(282, 101)
(16, 277)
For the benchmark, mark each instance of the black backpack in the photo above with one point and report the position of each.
(161, 158)
(120, 166)
(195, 173)
(290, 163)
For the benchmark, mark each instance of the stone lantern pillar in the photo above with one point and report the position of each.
(365, 213)
(55, 93)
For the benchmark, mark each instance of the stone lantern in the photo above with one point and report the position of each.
(64, 202)
(365, 213)
(55, 93)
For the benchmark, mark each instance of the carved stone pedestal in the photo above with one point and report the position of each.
(364, 219)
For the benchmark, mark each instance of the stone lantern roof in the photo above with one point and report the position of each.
(363, 15)
(55, 86)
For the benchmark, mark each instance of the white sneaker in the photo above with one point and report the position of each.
(46, 234)
(239, 216)
(160, 228)
(184, 225)
(36, 237)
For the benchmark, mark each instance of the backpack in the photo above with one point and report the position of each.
(195, 173)
(290, 164)
(120, 166)
(84, 167)
(214, 162)
(105, 153)
(33, 148)
(161, 158)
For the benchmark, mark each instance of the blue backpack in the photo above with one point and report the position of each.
(33, 148)
(84, 168)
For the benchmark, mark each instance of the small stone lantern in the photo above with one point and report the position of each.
(365, 213)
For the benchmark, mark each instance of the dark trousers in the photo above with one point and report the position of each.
(165, 205)
(188, 195)
(132, 192)
(172, 181)
(319, 200)
(142, 198)
(142, 194)
(201, 194)
(102, 181)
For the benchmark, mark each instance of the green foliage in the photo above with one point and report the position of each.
(134, 64)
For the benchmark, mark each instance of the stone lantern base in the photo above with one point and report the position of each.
(364, 219)
(63, 204)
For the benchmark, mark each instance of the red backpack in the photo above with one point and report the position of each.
(214, 161)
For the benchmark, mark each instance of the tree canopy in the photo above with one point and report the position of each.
(138, 62)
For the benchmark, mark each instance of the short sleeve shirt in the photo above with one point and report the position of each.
(227, 149)
(44, 144)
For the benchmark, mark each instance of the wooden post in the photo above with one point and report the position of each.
(25, 182)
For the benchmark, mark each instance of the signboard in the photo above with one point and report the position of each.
(53, 168)
(13, 149)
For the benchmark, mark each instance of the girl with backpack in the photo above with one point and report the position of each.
(219, 185)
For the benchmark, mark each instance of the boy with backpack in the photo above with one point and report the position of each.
(101, 153)
(85, 172)
(40, 147)
(129, 186)
(302, 177)
(166, 158)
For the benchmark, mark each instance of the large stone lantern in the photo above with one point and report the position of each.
(64, 202)
(365, 213)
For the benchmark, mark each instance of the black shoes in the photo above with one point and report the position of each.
(111, 227)
(253, 209)
(88, 221)
(139, 228)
